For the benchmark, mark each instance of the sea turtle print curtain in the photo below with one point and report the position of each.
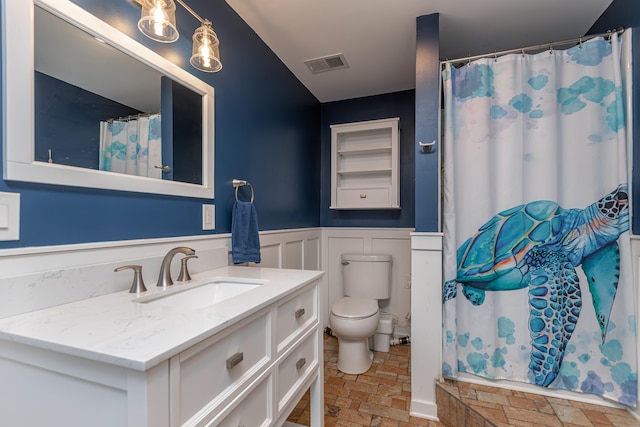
(538, 277)
(133, 147)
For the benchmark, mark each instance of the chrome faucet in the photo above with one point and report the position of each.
(164, 279)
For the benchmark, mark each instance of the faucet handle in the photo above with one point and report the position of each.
(184, 275)
(138, 284)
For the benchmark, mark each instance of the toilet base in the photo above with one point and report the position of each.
(354, 356)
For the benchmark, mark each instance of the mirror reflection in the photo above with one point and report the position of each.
(98, 108)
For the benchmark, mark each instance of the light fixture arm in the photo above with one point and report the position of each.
(191, 11)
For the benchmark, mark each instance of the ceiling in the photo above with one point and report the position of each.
(377, 37)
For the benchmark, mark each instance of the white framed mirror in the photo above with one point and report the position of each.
(36, 147)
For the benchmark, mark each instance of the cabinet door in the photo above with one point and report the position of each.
(365, 165)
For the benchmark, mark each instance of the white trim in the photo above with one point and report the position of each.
(426, 309)
(421, 409)
(18, 88)
(32, 250)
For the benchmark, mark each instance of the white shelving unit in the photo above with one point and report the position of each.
(365, 164)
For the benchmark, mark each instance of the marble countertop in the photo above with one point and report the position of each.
(116, 330)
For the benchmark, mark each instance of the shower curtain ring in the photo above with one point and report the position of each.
(550, 48)
(580, 41)
(523, 51)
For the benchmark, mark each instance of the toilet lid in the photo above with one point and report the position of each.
(355, 308)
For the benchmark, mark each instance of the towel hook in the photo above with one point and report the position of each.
(427, 146)
(237, 183)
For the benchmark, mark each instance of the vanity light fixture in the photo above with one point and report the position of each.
(158, 22)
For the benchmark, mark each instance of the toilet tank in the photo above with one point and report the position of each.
(366, 276)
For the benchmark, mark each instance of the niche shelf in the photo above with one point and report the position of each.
(365, 165)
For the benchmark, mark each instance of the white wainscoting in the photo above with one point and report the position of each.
(39, 277)
(395, 242)
(297, 249)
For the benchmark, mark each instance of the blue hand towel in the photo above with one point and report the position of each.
(245, 242)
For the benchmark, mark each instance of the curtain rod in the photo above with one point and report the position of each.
(549, 45)
(131, 117)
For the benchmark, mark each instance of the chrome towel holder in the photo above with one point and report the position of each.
(237, 183)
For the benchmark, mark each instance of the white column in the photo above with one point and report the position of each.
(426, 322)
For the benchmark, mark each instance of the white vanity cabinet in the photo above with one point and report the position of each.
(255, 372)
(251, 371)
(365, 165)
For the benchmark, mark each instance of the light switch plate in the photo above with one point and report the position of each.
(208, 217)
(9, 216)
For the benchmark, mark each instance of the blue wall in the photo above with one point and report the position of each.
(262, 136)
(626, 13)
(427, 126)
(67, 122)
(399, 104)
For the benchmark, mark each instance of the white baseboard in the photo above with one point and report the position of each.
(427, 410)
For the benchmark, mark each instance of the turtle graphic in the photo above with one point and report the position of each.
(539, 245)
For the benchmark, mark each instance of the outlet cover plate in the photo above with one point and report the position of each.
(208, 217)
(10, 212)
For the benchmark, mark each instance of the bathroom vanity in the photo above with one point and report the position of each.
(189, 355)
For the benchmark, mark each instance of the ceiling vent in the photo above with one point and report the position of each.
(327, 63)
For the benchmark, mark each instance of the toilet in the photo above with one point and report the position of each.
(354, 318)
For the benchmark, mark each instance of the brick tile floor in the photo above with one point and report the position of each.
(382, 395)
(379, 397)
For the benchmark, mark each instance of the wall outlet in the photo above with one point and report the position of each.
(9, 216)
(208, 217)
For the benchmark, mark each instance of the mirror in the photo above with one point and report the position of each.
(74, 102)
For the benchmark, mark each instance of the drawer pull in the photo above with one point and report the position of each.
(300, 363)
(299, 313)
(363, 195)
(234, 360)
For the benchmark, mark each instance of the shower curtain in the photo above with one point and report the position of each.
(538, 276)
(132, 147)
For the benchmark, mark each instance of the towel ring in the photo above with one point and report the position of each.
(237, 183)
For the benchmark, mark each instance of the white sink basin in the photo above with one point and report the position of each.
(198, 295)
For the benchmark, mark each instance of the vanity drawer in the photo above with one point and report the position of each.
(254, 410)
(363, 197)
(294, 315)
(210, 371)
(295, 368)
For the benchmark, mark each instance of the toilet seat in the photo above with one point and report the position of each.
(355, 308)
